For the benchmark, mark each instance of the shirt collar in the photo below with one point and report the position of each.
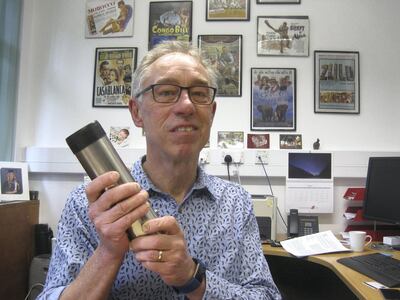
(203, 181)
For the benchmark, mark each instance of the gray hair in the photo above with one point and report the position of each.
(165, 48)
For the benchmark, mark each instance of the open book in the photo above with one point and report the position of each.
(317, 243)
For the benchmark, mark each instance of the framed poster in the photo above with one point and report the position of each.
(14, 181)
(170, 20)
(224, 53)
(217, 10)
(283, 36)
(113, 70)
(336, 82)
(109, 18)
(278, 1)
(273, 99)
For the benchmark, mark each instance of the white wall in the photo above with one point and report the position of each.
(56, 81)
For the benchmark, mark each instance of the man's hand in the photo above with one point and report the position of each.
(164, 251)
(113, 210)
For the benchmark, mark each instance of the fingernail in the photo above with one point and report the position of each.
(146, 227)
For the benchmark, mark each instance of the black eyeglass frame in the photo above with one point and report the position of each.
(151, 87)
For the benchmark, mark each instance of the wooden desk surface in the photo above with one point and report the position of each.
(351, 278)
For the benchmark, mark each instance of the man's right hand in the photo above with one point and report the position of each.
(113, 210)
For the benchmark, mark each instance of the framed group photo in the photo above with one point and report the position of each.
(106, 19)
(224, 54)
(337, 82)
(170, 20)
(112, 85)
(237, 10)
(14, 181)
(283, 36)
(273, 99)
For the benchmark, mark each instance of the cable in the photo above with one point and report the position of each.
(237, 173)
(228, 160)
(31, 288)
(270, 187)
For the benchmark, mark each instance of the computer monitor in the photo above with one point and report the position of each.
(382, 190)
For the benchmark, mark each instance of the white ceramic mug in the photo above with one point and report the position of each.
(358, 240)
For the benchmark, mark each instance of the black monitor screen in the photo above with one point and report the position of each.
(382, 190)
(309, 165)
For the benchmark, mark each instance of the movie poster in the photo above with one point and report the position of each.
(283, 36)
(113, 76)
(170, 20)
(273, 99)
(109, 18)
(224, 53)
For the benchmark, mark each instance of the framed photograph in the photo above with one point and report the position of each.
(278, 1)
(217, 10)
(336, 82)
(283, 36)
(224, 53)
(170, 20)
(109, 18)
(231, 139)
(290, 141)
(120, 136)
(273, 99)
(258, 141)
(112, 86)
(14, 181)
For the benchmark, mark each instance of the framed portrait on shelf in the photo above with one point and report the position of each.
(283, 36)
(273, 99)
(14, 181)
(170, 20)
(278, 1)
(217, 10)
(112, 86)
(108, 18)
(224, 53)
(290, 141)
(336, 82)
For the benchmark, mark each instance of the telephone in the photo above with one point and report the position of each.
(301, 225)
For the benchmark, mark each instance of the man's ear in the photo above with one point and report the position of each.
(134, 109)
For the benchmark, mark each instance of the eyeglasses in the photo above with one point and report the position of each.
(170, 93)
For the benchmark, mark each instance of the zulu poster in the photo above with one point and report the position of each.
(170, 20)
(113, 76)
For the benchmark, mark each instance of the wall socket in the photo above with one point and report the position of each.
(264, 155)
(204, 157)
(237, 156)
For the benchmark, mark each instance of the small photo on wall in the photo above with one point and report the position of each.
(258, 141)
(290, 141)
(235, 10)
(14, 181)
(231, 139)
(109, 18)
(120, 136)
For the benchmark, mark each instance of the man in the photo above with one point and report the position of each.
(11, 184)
(205, 243)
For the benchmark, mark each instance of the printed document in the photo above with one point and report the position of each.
(313, 244)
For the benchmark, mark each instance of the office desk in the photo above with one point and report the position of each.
(352, 279)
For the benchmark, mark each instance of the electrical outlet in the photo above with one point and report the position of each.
(237, 156)
(263, 155)
(204, 157)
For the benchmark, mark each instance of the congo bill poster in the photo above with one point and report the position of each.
(170, 20)
(283, 36)
(109, 18)
(113, 76)
(224, 53)
(273, 99)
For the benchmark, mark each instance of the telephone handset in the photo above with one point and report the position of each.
(301, 225)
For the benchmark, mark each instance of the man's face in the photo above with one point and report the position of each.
(178, 130)
(10, 176)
